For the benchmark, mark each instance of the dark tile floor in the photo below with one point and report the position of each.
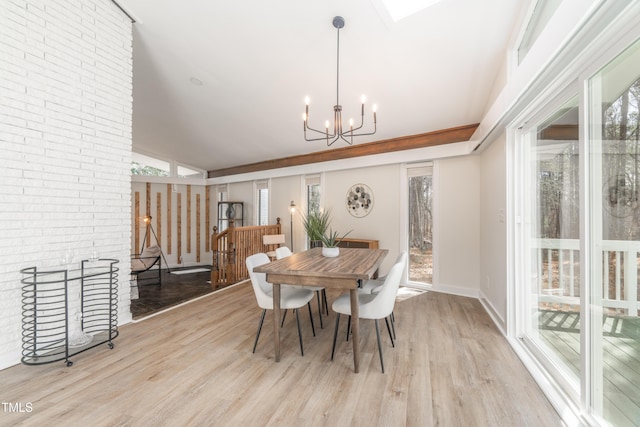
(175, 289)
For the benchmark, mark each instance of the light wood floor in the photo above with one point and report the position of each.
(620, 359)
(193, 366)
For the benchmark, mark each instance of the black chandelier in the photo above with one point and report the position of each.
(338, 130)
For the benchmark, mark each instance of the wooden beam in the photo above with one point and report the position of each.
(560, 133)
(169, 191)
(430, 139)
(148, 211)
(179, 227)
(198, 227)
(188, 218)
(159, 218)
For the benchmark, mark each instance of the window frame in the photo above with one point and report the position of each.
(258, 188)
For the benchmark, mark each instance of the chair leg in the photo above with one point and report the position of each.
(348, 327)
(313, 328)
(284, 316)
(379, 346)
(325, 302)
(299, 331)
(386, 320)
(335, 335)
(259, 329)
(319, 308)
(393, 325)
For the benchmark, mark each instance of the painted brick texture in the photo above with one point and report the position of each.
(65, 144)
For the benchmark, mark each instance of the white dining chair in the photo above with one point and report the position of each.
(283, 252)
(373, 285)
(371, 306)
(290, 297)
(272, 241)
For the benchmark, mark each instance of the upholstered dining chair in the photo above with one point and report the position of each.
(283, 252)
(372, 286)
(290, 297)
(272, 241)
(371, 306)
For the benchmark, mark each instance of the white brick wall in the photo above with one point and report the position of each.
(65, 144)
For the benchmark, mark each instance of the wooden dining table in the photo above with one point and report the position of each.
(309, 268)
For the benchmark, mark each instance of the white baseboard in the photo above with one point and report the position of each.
(498, 320)
(456, 290)
(125, 318)
(186, 264)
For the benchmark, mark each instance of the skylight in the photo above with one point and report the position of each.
(399, 9)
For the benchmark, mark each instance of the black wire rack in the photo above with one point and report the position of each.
(48, 316)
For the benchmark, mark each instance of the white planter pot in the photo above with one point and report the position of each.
(330, 252)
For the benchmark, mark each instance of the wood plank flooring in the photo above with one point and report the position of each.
(620, 359)
(193, 366)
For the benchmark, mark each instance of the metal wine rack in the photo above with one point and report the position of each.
(66, 312)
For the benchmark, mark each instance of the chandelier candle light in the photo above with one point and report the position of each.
(338, 131)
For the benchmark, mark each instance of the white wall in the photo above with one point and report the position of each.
(65, 139)
(458, 205)
(457, 233)
(282, 192)
(383, 222)
(493, 230)
(243, 192)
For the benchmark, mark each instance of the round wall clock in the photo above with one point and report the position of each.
(359, 201)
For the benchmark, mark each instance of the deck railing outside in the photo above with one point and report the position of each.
(557, 275)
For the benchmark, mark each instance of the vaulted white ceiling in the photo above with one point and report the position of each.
(256, 61)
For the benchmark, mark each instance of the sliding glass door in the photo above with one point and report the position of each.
(551, 235)
(577, 234)
(614, 229)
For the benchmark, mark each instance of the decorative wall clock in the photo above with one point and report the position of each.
(359, 201)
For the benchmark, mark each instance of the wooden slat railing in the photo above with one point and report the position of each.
(558, 273)
(232, 246)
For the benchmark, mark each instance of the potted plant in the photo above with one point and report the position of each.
(315, 225)
(330, 243)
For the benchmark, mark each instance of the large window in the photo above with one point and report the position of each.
(542, 13)
(420, 224)
(551, 237)
(223, 192)
(578, 239)
(185, 172)
(312, 192)
(142, 164)
(614, 230)
(312, 185)
(149, 166)
(262, 205)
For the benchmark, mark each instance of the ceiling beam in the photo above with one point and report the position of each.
(429, 139)
(560, 133)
